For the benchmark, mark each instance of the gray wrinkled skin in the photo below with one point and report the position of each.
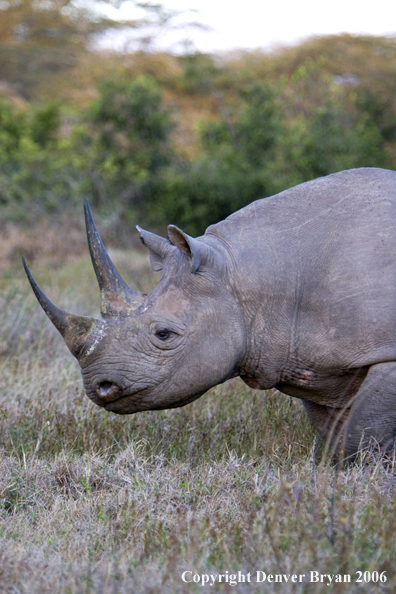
(155, 373)
(296, 291)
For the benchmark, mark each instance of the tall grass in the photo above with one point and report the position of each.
(94, 502)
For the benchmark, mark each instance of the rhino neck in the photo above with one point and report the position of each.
(266, 293)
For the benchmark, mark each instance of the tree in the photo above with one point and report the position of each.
(233, 169)
(42, 41)
(126, 141)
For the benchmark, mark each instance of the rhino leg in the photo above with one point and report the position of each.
(371, 415)
(327, 421)
(373, 411)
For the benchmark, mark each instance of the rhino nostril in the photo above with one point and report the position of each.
(104, 389)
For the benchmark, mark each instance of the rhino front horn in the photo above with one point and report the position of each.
(116, 297)
(74, 329)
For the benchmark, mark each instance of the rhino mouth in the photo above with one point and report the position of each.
(143, 400)
(130, 402)
(106, 392)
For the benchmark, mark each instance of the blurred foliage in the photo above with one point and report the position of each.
(128, 136)
(42, 40)
(38, 168)
(190, 139)
(232, 168)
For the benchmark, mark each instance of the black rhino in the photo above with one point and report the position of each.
(296, 291)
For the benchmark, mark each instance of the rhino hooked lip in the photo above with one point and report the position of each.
(108, 394)
(122, 403)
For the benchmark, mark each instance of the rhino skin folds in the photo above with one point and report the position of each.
(296, 291)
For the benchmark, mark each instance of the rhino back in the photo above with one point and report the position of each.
(315, 270)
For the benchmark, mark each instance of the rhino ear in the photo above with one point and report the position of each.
(195, 250)
(158, 247)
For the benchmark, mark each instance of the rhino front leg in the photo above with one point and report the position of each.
(370, 415)
(373, 411)
(327, 421)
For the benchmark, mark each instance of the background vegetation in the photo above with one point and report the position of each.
(92, 502)
(186, 139)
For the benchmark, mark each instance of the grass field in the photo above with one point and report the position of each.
(94, 502)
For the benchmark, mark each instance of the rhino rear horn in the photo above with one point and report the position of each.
(74, 329)
(116, 297)
(197, 251)
(158, 247)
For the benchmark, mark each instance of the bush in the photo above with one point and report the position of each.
(120, 152)
(126, 141)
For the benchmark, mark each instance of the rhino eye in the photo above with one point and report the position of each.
(163, 333)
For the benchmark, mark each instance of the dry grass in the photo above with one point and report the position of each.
(93, 502)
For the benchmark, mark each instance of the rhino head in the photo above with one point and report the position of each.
(158, 350)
